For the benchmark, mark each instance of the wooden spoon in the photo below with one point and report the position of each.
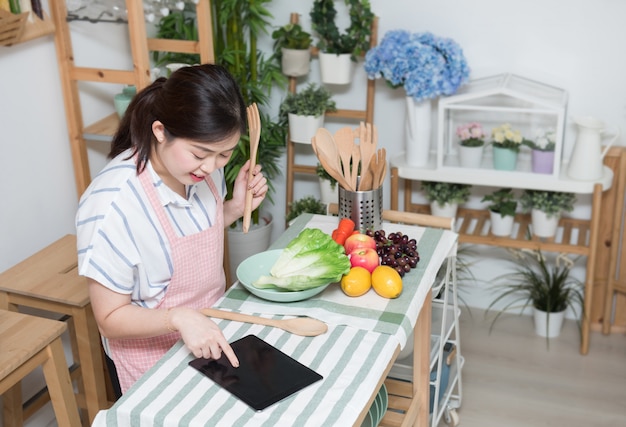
(326, 151)
(304, 326)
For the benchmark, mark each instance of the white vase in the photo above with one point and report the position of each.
(501, 225)
(328, 194)
(295, 62)
(418, 126)
(447, 210)
(243, 245)
(543, 225)
(470, 157)
(336, 69)
(303, 128)
(548, 324)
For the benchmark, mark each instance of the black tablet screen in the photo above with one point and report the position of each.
(265, 374)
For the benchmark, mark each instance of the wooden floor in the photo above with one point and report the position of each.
(510, 378)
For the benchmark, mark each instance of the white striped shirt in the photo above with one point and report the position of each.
(121, 243)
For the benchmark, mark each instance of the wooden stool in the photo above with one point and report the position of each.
(27, 342)
(48, 280)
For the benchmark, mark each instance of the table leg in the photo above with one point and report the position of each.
(421, 360)
(91, 363)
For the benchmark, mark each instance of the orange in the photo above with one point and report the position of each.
(386, 281)
(357, 282)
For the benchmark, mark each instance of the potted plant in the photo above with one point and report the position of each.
(506, 145)
(542, 152)
(305, 110)
(471, 144)
(308, 204)
(337, 50)
(426, 66)
(329, 190)
(546, 208)
(445, 197)
(291, 47)
(550, 290)
(502, 206)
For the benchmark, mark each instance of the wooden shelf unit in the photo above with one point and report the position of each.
(366, 115)
(591, 238)
(141, 46)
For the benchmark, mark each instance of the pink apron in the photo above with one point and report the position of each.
(197, 281)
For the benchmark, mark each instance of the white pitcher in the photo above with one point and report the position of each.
(586, 160)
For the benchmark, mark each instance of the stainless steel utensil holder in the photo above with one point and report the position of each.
(365, 208)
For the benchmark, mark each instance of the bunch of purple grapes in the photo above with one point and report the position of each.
(397, 250)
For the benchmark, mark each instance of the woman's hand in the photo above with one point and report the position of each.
(200, 334)
(233, 208)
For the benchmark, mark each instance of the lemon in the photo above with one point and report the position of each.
(386, 281)
(357, 282)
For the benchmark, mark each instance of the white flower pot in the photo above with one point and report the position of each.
(336, 69)
(327, 193)
(243, 245)
(501, 226)
(295, 62)
(418, 131)
(543, 226)
(448, 210)
(470, 157)
(303, 128)
(548, 324)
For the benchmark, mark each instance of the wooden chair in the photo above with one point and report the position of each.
(49, 281)
(27, 342)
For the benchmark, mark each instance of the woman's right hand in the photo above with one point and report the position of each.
(200, 334)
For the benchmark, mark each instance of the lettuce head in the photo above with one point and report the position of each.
(310, 260)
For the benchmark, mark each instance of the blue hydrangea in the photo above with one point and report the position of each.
(426, 65)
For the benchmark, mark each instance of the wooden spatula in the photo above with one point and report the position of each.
(254, 129)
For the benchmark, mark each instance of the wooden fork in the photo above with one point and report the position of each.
(254, 130)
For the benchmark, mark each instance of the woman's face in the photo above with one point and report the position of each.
(186, 161)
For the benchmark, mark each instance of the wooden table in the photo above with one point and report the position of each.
(354, 357)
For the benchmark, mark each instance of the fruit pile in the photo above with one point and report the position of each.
(367, 271)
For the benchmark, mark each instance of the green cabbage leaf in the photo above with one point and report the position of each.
(310, 260)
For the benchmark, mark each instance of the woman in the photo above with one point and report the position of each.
(150, 227)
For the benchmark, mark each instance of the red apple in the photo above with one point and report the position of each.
(358, 241)
(364, 257)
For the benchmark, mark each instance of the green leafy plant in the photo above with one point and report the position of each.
(502, 202)
(356, 38)
(321, 172)
(237, 27)
(314, 100)
(179, 25)
(548, 288)
(446, 192)
(550, 202)
(290, 36)
(307, 204)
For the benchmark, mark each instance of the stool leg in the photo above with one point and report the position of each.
(12, 402)
(90, 357)
(60, 386)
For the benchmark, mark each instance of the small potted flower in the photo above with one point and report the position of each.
(305, 111)
(506, 145)
(542, 152)
(545, 208)
(329, 190)
(291, 46)
(502, 206)
(471, 144)
(445, 197)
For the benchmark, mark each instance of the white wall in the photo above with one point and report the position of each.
(573, 44)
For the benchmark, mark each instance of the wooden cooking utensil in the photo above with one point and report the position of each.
(326, 151)
(344, 138)
(383, 171)
(367, 148)
(254, 129)
(367, 178)
(354, 174)
(304, 326)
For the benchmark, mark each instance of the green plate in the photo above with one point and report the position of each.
(259, 265)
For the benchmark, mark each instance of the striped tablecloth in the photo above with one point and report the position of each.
(352, 356)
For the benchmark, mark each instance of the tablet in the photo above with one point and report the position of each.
(265, 375)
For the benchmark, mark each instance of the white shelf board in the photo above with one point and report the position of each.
(497, 178)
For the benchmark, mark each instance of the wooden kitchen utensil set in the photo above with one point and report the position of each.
(356, 167)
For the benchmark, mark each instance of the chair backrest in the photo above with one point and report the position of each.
(408, 218)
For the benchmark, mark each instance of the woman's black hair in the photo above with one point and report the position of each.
(202, 103)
